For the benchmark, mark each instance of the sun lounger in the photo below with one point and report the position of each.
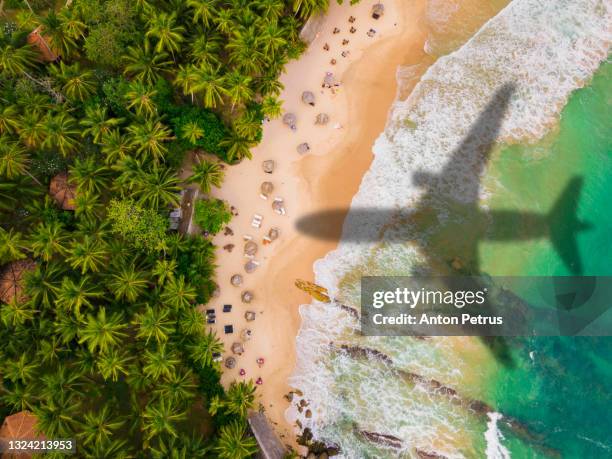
(210, 311)
(228, 329)
(256, 221)
(227, 308)
(217, 357)
(211, 321)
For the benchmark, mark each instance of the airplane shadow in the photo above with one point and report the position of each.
(447, 224)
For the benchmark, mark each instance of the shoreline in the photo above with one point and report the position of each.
(328, 177)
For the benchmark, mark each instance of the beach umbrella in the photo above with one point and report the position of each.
(266, 188)
(230, 362)
(273, 233)
(237, 348)
(247, 296)
(308, 98)
(278, 206)
(250, 248)
(290, 120)
(378, 10)
(246, 334)
(268, 166)
(303, 148)
(329, 80)
(236, 280)
(322, 118)
(250, 266)
(249, 316)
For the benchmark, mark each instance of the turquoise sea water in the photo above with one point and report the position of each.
(559, 387)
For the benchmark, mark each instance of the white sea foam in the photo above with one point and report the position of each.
(547, 49)
(493, 437)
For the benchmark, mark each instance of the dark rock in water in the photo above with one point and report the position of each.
(365, 352)
(298, 392)
(303, 403)
(311, 456)
(428, 455)
(308, 414)
(382, 439)
(298, 423)
(289, 397)
(305, 437)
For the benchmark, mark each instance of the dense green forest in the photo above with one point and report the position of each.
(100, 101)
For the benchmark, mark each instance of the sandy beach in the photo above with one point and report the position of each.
(327, 176)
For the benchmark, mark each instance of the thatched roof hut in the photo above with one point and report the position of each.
(237, 348)
(273, 233)
(230, 362)
(246, 334)
(329, 80)
(322, 119)
(290, 120)
(43, 45)
(63, 191)
(378, 10)
(250, 316)
(247, 296)
(308, 98)
(266, 188)
(251, 266)
(11, 280)
(19, 426)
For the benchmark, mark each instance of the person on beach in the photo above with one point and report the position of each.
(326, 47)
(336, 30)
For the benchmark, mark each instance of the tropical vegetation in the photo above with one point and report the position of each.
(100, 101)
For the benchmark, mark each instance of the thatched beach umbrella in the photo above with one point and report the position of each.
(268, 166)
(303, 148)
(246, 334)
(247, 296)
(322, 119)
(273, 233)
(378, 10)
(308, 98)
(249, 316)
(266, 188)
(236, 280)
(290, 120)
(230, 362)
(250, 248)
(238, 348)
(250, 266)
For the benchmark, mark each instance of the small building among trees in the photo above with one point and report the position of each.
(42, 44)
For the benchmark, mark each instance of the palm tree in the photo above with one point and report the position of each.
(113, 364)
(164, 270)
(160, 362)
(77, 84)
(269, 85)
(148, 138)
(31, 129)
(273, 39)
(203, 11)
(178, 293)
(203, 80)
(141, 98)
(11, 245)
(49, 239)
(101, 333)
(272, 10)
(129, 283)
(248, 125)
(98, 426)
(97, 124)
(23, 369)
(238, 88)
(178, 387)
(192, 132)
(9, 120)
(60, 132)
(41, 284)
(55, 416)
(14, 160)
(145, 64)
(237, 147)
(207, 174)
(71, 25)
(115, 146)
(155, 323)
(163, 28)
(87, 205)
(205, 49)
(16, 61)
(240, 398)
(272, 107)
(157, 188)
(73, 296)
(88, 176)
(61, 41)
(306, 8)
(89, 254)
(160, 417)
(20, 397)
(191, 322)
(243, 48)
(15, 313)
(233, 444)
(206, 345)
(224, 21)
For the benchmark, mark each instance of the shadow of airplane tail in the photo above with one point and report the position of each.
(564, 226)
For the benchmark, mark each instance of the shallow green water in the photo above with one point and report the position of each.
(561, 391)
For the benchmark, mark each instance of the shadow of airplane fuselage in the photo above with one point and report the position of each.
(447, 223)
